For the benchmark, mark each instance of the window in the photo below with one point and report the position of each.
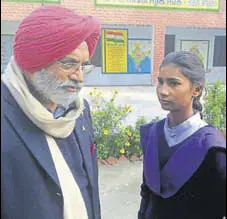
(219, 51)
(169, 44)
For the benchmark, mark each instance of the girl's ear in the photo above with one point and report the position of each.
(196, 91)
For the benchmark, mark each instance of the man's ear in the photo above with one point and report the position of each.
(196, 91)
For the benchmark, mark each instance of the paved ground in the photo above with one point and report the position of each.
(120, 189)
(120, 183)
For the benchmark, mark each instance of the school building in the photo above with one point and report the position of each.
(136, 35)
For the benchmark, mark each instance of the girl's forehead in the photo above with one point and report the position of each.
(170, 70)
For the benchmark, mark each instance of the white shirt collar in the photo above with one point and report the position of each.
(179, 133)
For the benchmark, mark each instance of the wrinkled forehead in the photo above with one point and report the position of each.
(81, 53)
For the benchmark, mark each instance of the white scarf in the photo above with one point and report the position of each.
(74, 206)
(36, 112)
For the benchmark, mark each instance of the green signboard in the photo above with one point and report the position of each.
(196, 5)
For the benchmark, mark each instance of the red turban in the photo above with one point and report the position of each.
(50, 33)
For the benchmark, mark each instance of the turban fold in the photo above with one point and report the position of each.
(50, 33)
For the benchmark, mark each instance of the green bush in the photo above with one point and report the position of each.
(113, 137)
(108, 121)
(215, 105)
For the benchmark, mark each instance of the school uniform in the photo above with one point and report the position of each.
(184, 171)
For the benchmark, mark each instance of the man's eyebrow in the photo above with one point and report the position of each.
(69, 60)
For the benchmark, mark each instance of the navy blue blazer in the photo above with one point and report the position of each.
(30, 187)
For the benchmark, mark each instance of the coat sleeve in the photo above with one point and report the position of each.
(146, 208)
(144, 193)
(220, 170)
(220, 166)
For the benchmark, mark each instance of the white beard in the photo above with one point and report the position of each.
(48, 89)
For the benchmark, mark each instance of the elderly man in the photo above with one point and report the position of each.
(49, 162)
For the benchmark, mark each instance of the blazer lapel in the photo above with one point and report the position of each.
(34, 139)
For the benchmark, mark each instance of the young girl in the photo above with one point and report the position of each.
(184, 157)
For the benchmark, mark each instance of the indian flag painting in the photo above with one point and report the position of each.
(115, 37)
(114, 50)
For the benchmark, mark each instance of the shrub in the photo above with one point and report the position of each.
(113, 137)
(135, 148)
(215, 105)
(108, 121)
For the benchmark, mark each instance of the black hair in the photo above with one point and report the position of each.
(191, 67)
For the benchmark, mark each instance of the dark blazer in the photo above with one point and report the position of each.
(30, 187)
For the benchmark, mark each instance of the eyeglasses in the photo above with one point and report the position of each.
(69, 67)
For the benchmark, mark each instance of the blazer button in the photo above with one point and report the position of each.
(58, 194)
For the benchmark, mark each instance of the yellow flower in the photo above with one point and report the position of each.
(99, 94)
(116, 91)
(94, 111)
(105, 132)
(129, 133)
(91, 93)
(128, 108)
(122, 128)
(127, 144)
(96, 101)
(122, 151)
(95, 88)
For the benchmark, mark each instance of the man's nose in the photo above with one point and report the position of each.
(77, 75)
